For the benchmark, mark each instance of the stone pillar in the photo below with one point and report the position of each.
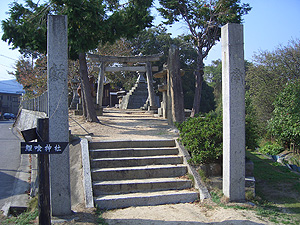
(175, 87)
(150, 85)
(75, 98)
(57, 64)
(100, 85)
(233, 92)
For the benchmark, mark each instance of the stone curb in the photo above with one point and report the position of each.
(204, 193)
(87, 181)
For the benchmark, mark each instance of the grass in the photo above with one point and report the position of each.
(22, 219)
(100, 219)
(277, 191)
(26, 217)
(272, 172)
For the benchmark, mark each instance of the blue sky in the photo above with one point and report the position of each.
(269, 24)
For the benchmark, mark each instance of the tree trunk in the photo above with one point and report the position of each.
(198, 84)
(86, 89)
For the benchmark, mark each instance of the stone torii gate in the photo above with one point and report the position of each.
(144, 66)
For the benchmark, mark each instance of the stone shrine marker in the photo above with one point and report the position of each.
(57, 64)
(233, 92)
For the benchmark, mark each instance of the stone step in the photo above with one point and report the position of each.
(140, 185)
(145, 199)
(132, 144)
(140, 172)
(132, 152)
(135, 161)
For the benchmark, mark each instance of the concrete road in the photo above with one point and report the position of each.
(10, 160)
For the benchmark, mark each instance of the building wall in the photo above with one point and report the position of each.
(10, 103)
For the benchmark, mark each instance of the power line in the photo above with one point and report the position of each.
(7, 66)
(8, 57)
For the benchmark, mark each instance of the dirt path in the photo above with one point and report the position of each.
(124, 125)
(135, 124)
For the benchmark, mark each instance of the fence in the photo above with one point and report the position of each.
(37, 104)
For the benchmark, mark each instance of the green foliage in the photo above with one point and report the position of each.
(251, 127)
(156, 40)
(267, 77)
(152, 41)
(188, 63)
(202, 136)
(207, 103)
(285, 122)
(275, 177)
(100, 219)
(89, 23)
(213, 76)
(26, 28)
(271, 148)
(204, 20)
(23, 219)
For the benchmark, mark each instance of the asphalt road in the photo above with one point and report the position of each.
(10, 159)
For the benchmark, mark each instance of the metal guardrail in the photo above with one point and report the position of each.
(37, 104)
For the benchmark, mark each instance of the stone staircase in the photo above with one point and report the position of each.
(137, 96)
(138, 173)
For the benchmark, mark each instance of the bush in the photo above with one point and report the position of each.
(271, 149)
(285, 121)
(202, 136)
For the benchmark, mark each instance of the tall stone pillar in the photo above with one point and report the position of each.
(100, 85)
(175, 92)
(150, 85)
(57, 64)
(233, 94)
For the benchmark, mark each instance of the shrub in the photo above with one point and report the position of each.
(285, 121)
(202, 136)
(271, 148)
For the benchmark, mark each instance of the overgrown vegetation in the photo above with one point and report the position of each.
(270, 148)
(285, 122)
(202, 136)
(100, 219)
(270, 203)
(26, 217)
(268, 75)
(272, 98)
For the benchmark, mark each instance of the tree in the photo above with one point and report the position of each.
(268, 75)
(285, 122)
(32, 76)
(153, 41)
(204, 20)
(156, 40)
(89, 23)
(121, 47)
(213, 76)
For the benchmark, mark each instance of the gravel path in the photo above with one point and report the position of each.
(118, 124)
